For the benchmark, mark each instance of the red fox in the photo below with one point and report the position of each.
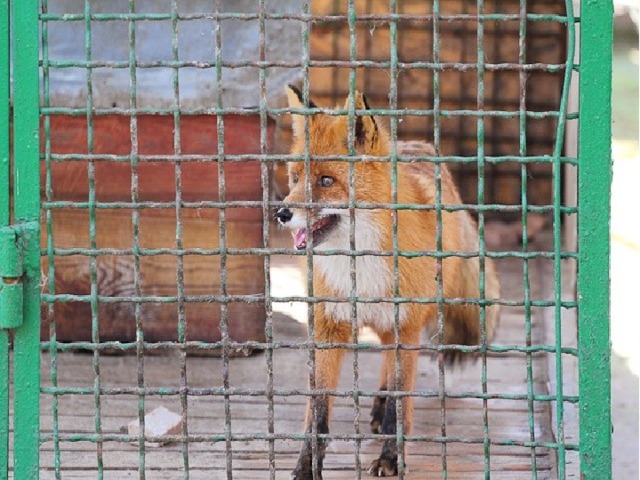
(417, 274)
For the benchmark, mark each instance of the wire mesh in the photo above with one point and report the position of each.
(136, 258)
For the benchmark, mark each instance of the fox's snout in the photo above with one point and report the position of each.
(283, 215)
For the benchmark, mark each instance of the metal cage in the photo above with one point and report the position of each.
(140, 154)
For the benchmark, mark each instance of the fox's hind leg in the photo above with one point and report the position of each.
(387, 464)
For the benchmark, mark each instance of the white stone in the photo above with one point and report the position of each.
(160, 421)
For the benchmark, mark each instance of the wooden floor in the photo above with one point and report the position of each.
(508, 420)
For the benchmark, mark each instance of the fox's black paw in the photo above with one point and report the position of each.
(377, 414)
(383, 467)
(298, 474)
(304, 468)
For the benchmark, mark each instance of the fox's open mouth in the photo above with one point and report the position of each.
(320, 228)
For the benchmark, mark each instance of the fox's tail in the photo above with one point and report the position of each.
(462, 323)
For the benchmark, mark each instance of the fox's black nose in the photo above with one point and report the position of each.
(284, 215)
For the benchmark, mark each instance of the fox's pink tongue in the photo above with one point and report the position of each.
(300, 238)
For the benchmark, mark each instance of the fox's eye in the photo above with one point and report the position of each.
(294, 177)
(326, 181)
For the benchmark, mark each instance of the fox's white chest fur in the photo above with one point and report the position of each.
(374, 277)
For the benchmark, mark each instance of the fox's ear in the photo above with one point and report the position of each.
(366, 129)
(294, 96)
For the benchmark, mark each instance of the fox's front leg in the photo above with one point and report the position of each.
(327, 372)
(387, 464)
(378, 408)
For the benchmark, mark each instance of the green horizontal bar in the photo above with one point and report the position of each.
(499, 350)
(306, 392)
(268, 158)
(245, 437)
(150, 252)
(386, 112)
(265, 64)
(259, 298)
(107, 17)
(274, 204)
(80, 111)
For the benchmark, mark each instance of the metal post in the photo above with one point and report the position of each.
(4, 221)
(594, 186)
(26, 197)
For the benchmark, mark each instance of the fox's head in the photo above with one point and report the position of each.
(329, 178)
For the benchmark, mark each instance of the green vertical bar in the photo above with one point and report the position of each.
(442, 390)
(93, 261)
(481, 240)
(135, 221)
(51, 270)
(266, 241)
(594, 187)
(526, 281)
(26, 347)
(4, 221)
(26, 114)
(4, 113)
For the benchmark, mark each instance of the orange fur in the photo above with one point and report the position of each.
(417, 276)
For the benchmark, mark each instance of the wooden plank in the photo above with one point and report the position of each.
(197, 474)
(158, 277)
(345, 462)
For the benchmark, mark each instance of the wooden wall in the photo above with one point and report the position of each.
(504, 88)
(114, 231)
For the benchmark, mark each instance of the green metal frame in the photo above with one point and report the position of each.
(4, 221)
(20, 236)
(594, 194)
(20, 258)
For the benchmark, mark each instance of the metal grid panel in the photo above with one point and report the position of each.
(230, 392)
